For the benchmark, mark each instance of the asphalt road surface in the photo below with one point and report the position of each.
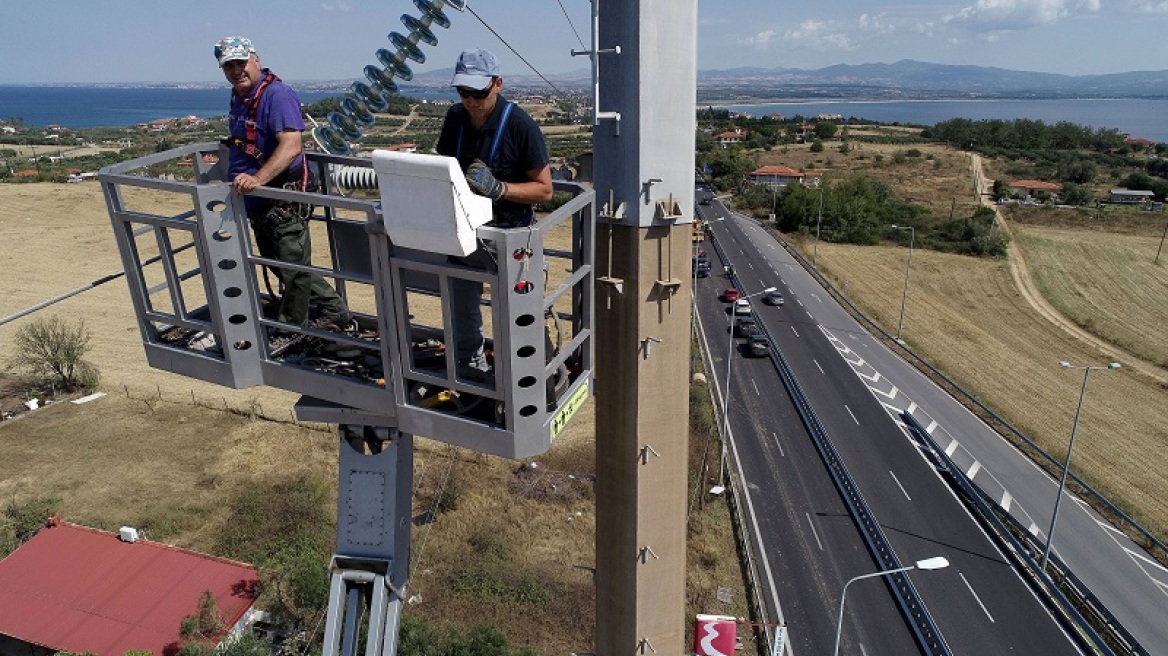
(979, 603)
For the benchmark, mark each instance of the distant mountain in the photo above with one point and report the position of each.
(905, 79)
(913, 79)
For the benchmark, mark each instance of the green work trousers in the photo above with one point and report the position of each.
(281, 233)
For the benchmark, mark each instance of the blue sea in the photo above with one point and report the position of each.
(88, 107)
(1138, 117)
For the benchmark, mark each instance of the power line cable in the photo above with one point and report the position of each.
(572, 25)
(516, 52)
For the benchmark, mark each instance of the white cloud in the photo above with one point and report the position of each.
(336, 5)
(819, 35)
(1148, 6)
(996, 16)
(761, 41)
(877, 24)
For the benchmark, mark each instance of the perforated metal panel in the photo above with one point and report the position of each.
(203, 303)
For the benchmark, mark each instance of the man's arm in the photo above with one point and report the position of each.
(288, 147)
(538, 188)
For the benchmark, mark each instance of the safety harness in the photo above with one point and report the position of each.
(494, 143)
(249, 144)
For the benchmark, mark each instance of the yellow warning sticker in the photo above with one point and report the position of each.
(574, 403)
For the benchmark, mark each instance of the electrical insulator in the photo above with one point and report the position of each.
(344, 125)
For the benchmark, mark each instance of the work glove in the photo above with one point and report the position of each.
(483, 182)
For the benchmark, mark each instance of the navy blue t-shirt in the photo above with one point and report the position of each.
(520, 149)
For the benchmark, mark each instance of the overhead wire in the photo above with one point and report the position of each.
(572, 25)
(516, 52)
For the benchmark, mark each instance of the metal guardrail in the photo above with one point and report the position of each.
(921, 623)
(1007, 530)
(998, 520)
(1151, 542)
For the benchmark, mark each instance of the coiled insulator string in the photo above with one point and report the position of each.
(344, 125)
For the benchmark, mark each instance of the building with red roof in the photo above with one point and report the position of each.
(77, 589)
(781, 176)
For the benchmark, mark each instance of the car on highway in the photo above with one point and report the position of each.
(741, 307)
(730, 295)
(773, 298)
(701, 267)
(745, 327)
(757, 345)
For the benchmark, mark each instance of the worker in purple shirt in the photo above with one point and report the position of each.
(266, 150)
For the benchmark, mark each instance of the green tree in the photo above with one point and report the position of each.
(817, 146)
(54, 349)
(825, 130)
(1077, 195)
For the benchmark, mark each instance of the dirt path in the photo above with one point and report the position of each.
(409, 119)
(1029, 289)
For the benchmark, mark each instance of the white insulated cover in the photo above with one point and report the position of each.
(427, 203)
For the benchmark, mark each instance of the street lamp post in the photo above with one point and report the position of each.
(818, 222)
(726, 396)
(1067, 462)
(936, 562)
(904, 295)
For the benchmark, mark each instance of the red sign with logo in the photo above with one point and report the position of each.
(715, 635)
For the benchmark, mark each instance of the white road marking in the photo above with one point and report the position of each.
(778, 444)
(902, 490)
(875, 377)
(973, 469)
(819, 367)
(952, 448)
(794, 331)
(931, 427)
(1006, 501)
(813, 531)
(890, 395)
(912, 407)
(977, 598)
(755, 386)
(850, 413)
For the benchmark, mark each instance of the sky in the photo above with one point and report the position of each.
(82, 41)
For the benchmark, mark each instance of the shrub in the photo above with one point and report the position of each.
(53, 349)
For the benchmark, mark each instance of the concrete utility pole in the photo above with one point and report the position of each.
(644, 152)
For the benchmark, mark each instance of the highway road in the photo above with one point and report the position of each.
(979, 603)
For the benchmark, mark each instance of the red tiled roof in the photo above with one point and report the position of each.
(77, 589)
(783, 171)
(1036, 185)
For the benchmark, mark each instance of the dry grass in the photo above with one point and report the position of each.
(965, 316)
(937, 179)
(167, 459)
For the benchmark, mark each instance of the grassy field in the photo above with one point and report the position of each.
(162, 453)
(966, 317)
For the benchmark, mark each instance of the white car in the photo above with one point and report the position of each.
(741, 307)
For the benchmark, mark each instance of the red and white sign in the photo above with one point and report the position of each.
(715, 635)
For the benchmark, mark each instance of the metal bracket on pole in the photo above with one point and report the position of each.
(593, 55)
(645, 451)
(612, 212)
(645, 643)
(647, 343)
(644, 556)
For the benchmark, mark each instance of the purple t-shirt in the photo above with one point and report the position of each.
(279, 110)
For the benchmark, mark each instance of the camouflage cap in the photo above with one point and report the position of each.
(233, 48)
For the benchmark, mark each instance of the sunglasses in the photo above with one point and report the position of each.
(477, 94)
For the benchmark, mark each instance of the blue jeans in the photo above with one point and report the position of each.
(466, 304)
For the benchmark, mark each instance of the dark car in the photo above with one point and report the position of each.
(745, 327)
(758, 345)
(730, 295)
(701, 269)
(773, 298)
